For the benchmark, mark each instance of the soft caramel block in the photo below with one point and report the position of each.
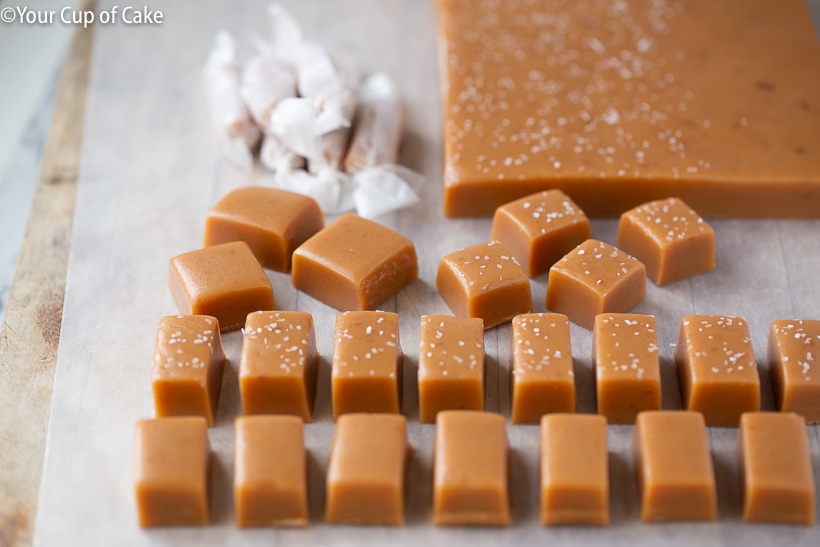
(354, 264)
(277, 370)
(365, 478)
(574, 470)
(451, 365)
(172, 458)
(188, 365)
(676, 478)
(484, 281)
(270, 472)
(367, 363)
(595, 278)
(225, 281)
(670, 239)
(542, 377)
(470, 469)
(775, 468)
(794, 366)
(717, 368)
(627, 366)
(540, 229)
(272, 222)
(615, 104)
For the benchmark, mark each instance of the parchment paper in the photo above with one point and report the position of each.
(151, 171)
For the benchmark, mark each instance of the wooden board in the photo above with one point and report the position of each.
(149, 174)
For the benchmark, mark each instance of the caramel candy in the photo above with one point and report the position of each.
(270, 472)
(670, 239)
(188, 365)
(354, 264)
(224, 281)
(470, 469)
(272, 222)
(540, 229)
(616, 106)
(775, 463)
(277, 370)
(542, 377)
(484, 281)
(367, 363)
(676, 479)
(717, 368)
(595, 278)
(365, 478)
(172, 459)
(794, 366)
(574, 470)
(627, 367)
(451, 365)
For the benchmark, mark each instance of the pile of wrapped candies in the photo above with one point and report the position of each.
(321, 135)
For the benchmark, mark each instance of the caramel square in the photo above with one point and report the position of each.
(484, 281)
(354, 264)
(670, 238)
(188, 366)
(451, 365)
(627, 367)
(794, 366)
(365, 478)
(270, 472)
(540, 228)
(272, 222)
(367, 363)
(595, 278)
(775, 468)
(542, 377)
(574, 469)
(676, 477)
(717, 368)
(470, 469)
(172, 458)
(225, 281)
(278, 367)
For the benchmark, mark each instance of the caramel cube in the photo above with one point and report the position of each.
(775, 463)
(354, 264)
(676, 478)
(794, 366)
(670, 239)
(627, 367)
(188, 365)
(470, 469)
(225, 281)
(367, 363)
(451, 365)
(717, 368)
(172, 458)
(574, 469)
(542, 377)
(277, 370)
(365, 478)
(272, 222)
(484, 281)
(270, 472)
(540, 228)
(595, 278)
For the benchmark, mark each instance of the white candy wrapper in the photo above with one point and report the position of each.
(380, 185)
(332, 189)
(236, 130)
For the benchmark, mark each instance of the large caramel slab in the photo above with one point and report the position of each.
(618, 104)
(676, 477)
(775, 463)
(365, 477)
(794, 366)
(470, 481)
